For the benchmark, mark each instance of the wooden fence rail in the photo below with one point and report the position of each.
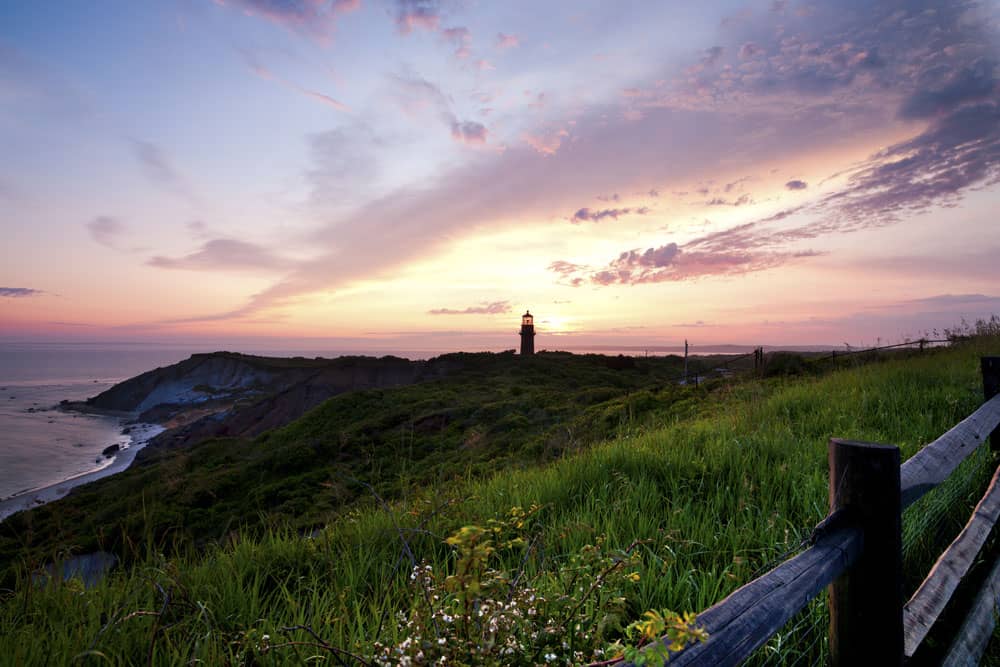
(857, 552)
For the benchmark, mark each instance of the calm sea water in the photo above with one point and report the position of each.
(40, 445)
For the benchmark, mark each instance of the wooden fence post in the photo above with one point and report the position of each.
(991, 387)
(866, 602)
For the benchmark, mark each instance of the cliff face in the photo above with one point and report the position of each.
(228, 394)
(294, 399)
(194, 380)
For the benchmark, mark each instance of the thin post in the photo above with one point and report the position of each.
(686, 379)
(991, 387)
(866, 602)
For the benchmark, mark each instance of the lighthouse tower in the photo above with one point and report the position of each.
(527, 333)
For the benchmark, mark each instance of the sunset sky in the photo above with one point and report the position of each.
(414, 174)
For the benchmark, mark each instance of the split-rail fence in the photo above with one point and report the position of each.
(856, 552)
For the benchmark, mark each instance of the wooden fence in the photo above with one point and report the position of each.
(920, 343)
(856, 551)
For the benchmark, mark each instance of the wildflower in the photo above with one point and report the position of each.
(549, 657)
(633, 577)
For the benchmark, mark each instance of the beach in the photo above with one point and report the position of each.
(138, 436)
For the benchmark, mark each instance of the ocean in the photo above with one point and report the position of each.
(40, 445)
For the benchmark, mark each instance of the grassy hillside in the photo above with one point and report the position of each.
(499, 410)
(678, 509)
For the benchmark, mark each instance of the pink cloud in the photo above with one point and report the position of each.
(468, 132)
(507, 41)
(461, 38)
(589, 215)
(225, 255)
(546, 144)
(325, 99)
(413, 14)
(313, 17)
(487, 308)
(671, 263)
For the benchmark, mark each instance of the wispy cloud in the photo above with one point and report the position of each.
(468, 132)
(413, 14)
(316, 18)
(486, 308)
(418, 95)
(822, 77)
(547, 142)
(106, 231)
(672, 263)
(954, 91)
(19, 292)
(742, 200)
(253, 62)
(226, 255)
(460, 38)
(155, 164)
(505, 41)
(597, 215)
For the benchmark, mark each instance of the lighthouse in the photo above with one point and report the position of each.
(527, 333)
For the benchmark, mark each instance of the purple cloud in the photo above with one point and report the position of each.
(468, 132)
(225, 255)
(507, 41)
(493, 308)
(106, 231)
(974, 84)
(849, 72)
(750, 50)
(461, 39)
(671, 263)
(958, 150)
(418, 94)
(588, 215)
(19, 292)
(155, 164)
(411, 14)
(712, 56)
(742, 200)
(315, 17)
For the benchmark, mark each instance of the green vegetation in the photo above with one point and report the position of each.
(498, 411)
(696, 492)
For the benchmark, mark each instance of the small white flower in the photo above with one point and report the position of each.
(549, 657)
(442, 641)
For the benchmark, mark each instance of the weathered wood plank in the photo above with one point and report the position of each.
(866, 602)
(746, 619)
(990, 367)
(932, 464)
(926, 605)
(976, 630)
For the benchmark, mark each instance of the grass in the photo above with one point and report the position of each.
(713, 493)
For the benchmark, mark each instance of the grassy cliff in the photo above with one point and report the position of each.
(501, 489)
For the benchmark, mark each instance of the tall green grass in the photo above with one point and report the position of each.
(715, 497)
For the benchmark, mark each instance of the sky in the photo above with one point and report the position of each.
(414, 174)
